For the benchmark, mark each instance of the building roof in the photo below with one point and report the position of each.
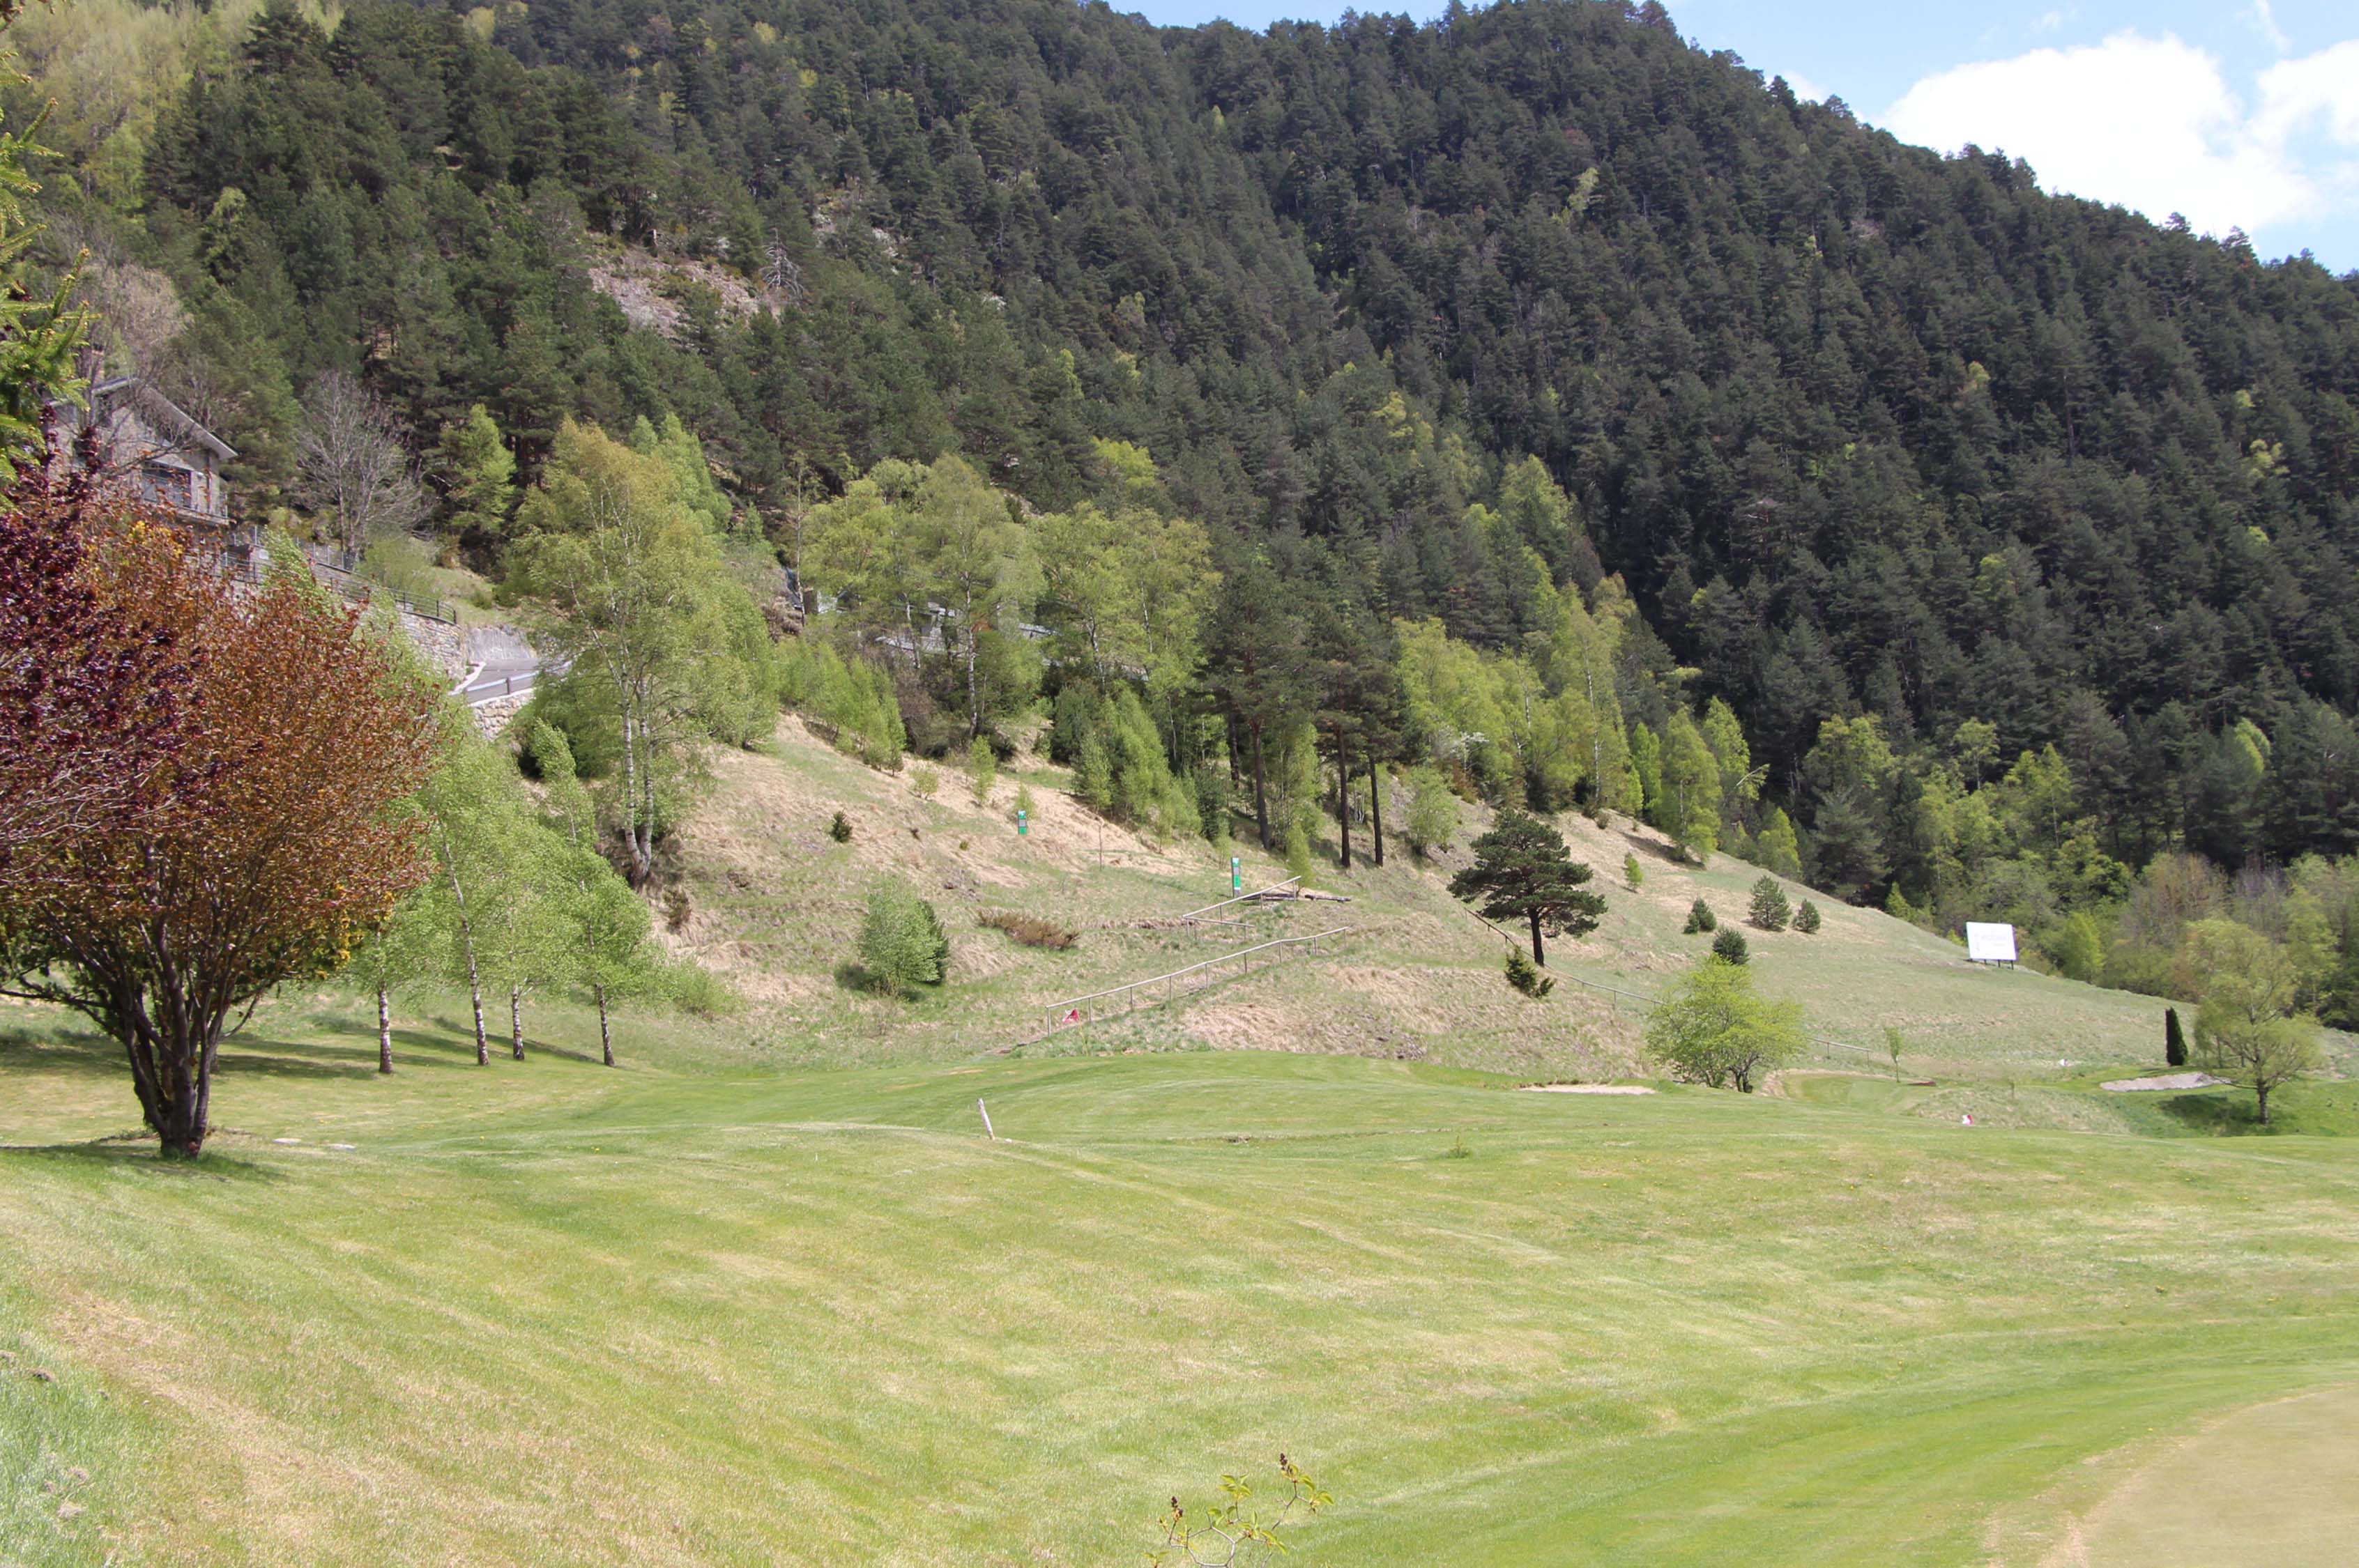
(168, 417)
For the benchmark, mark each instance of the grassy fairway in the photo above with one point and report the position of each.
(545, 1312)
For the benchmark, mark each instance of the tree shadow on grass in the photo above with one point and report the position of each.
(133, 1154)
(447, 1045)
(2219, 1114)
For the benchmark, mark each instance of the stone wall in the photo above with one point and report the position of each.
(442, 643)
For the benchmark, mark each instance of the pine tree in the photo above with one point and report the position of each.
(2174, 1039)
(1522, 870)
(1769, 909)
(1700, 918)
(1729, 946)
(1806, 918)
(480, 474)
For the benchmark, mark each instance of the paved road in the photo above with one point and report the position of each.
(508, 665)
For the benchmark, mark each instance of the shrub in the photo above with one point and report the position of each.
(985, 763)
(1806, 919)
(1715, 1031)
(1030, 930)
(855, 699)
(902, 944)
(1024, 803)
(1527, 976)
(1433, 810)
(840, 828)
(924, 782)
(1729, 946)
(2174, 1039)
(1298, 851)
(1700, 918)
(1633, 875)
(1769, 909)
(1119, 765)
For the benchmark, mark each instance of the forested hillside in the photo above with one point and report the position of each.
(1875, 469)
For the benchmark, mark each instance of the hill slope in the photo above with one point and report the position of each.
(777, 906)
(1865, 429)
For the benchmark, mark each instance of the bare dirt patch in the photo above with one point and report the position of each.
(2166, 1081)
(1585, 1088)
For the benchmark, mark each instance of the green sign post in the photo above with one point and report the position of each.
(1236, 874)
(1023, 826)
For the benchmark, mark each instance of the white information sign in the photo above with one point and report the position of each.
(1989, 944)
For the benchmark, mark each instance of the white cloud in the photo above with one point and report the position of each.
(2151, 124)
(2050, 21)
(2265, 22)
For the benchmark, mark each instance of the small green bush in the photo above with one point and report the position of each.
(1633, 875)
(1806, 919)
(840, 828)
(1770, 910)
(902, 944)
(1729, 946)
(1700, 918)
(924, 782)
(1527, 977)
(985, 763)
(1298, 851)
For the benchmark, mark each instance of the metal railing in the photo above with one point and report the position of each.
(1197, 916)
(1080, 1012)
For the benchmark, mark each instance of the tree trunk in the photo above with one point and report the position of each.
(1377, 809)
(2262, 1092)
(1539, 951)
(516, 1021)
(1261, 790)
(384, 1029)
(475, 995)
(474, 980)
(1343, 796)
(605, 1035)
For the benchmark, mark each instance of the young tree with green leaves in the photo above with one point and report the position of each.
(1700, 919)
(1769, 909)
(902, 944)
(605, 925)
(1433, 812)
(1523, 870)
(635, 594)
(1729, 946)
(478, 836)
(1633, 875)
(1713, 1030)
(2243, 1028)
(1689, 807)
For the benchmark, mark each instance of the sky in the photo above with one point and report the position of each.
(2237, 113)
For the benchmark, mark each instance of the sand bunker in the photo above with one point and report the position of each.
(2168, 1081)
(1585, 1089)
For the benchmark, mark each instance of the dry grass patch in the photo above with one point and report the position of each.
(1029, 929)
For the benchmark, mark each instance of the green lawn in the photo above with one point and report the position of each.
(695, 1311)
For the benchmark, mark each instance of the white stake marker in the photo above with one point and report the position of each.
(987, 1132)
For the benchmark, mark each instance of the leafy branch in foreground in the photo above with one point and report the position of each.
(1232, 1531)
